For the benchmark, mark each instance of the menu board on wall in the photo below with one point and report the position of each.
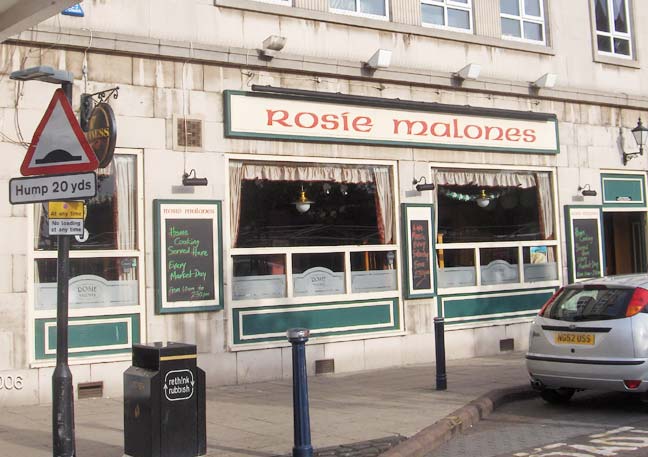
(420, 247)
(419, 250)
(585, 245)
(188, 256)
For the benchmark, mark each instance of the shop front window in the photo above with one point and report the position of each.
(105, 261)
(309, 230)
(502, 221)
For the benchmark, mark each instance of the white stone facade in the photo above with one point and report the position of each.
(174, 59)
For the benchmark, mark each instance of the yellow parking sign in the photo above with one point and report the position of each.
(66, 210)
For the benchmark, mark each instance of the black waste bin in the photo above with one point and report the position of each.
(164, 402)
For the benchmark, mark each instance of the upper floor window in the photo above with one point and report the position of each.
(613, 27)
(451, 14)
(523, 20)
(372, 8)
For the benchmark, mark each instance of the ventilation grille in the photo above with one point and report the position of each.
(189, 133)
(325, 366)
(90, 389)
(507, 344)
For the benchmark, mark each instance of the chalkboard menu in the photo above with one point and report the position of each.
(189, 264)
(585, 250)
(418, 248)
(420, 242)
(587, 262)
(188, 256)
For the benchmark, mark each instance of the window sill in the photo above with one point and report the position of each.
(355, 21)
(618, 61)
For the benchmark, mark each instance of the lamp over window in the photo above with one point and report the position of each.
(303, 204)
(640, 134)
(483, 200)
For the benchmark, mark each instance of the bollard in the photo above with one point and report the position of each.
(441, 380)
(302, 447)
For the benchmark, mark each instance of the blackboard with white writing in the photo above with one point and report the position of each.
(586, 248)
(188, 256)
(420, 249)
(189, 260)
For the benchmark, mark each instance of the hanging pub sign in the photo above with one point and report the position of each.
(188, 264)
(102, 133)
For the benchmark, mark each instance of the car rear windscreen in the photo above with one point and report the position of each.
(590, 304)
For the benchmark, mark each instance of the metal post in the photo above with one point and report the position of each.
(62, 387)
(302, 447)
(439, 340)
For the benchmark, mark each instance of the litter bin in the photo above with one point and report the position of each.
(164, 402)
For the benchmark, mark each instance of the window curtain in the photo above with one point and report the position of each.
(236, 179)
(484, 178)
(385, 202)
(380, 176)
(124, 169)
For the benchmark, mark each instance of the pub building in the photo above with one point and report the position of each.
(253, 189)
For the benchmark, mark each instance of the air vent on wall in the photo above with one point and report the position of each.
(188, 134)
(90, 389)
(325, 366)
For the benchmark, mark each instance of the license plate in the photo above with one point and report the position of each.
(575, 338)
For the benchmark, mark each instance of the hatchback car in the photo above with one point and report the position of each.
(591, 335)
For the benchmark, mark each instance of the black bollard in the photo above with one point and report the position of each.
(441, 380)
(302, 447)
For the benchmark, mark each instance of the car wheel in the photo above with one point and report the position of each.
(562, 395)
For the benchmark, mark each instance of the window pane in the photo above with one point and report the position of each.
(533, 31)
(540, 264)
(499, 265)
(465, 2)
(532, 7)
(376, 7)
(318, 274)
(336, 213)
(512, 214)
(259, 276)
(111, 220)
(510, 27)
(456, 267)
(621, 46)
(458, 18)
(583, 304)
(373, 271)
(604, 43)
(348, 5)
(510, 7)
(94, 283)
(620, 17)
(602, 19)
(432, 14)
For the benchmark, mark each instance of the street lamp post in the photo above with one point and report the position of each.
(62, 387)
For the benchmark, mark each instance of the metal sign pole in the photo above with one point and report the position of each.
(62, 387)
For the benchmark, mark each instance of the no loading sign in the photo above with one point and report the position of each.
(179, 385)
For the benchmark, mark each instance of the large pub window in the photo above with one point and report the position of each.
(311, 229)
(494, 228)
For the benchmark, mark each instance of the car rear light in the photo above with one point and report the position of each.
(550, 301)
(638, 302)
(632, 383)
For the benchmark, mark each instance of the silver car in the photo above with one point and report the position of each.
(591, 335)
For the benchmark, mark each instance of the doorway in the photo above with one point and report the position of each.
(625, 242)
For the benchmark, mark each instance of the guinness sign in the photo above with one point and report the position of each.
(102, 133)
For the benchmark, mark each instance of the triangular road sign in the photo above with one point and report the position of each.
(58, 145)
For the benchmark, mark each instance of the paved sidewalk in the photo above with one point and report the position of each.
(373, 410)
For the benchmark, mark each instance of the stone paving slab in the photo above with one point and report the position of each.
(255, 420)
